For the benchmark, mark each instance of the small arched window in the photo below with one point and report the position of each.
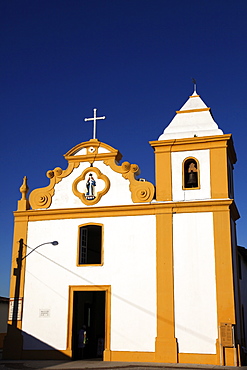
(90, 244)
(190, 173)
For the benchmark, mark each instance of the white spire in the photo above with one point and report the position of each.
(193, 119)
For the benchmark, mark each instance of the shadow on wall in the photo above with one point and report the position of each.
(4, 307)
(16, 339)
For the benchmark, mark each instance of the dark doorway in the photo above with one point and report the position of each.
(89, 310)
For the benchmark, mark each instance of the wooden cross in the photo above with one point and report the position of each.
(94, 119)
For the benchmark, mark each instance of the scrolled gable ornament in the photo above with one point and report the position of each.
(90, 177)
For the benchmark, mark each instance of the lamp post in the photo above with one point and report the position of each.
(13, 349)
(53, 243)
(17, 273)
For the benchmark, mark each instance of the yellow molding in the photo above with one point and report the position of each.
(99, 195)
(23, 204)
(91, 158)
(17, 287)
(224, 280)
(71, 154)
(211, 205)
(141, 191)
(86, 288)
(166, 343)
(231, 357)
(191, 140)
(163, 178)
(130, 356)
(41, 198)
(196, 143)
(78, 246)
(194, 96)
(198, 174)
(223, 267)
(193, 110)
(218, 173)
(198, 358)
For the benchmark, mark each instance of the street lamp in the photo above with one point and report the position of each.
(53, 243)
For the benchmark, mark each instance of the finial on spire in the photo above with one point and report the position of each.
(194, 82)
(94, 119)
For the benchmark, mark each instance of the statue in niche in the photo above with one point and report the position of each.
(90, 185)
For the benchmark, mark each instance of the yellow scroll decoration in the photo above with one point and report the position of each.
(141, 191)
(42, 197)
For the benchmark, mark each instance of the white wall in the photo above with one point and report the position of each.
(129, 267)
(118, 194)
(194, 283)
(178, 194)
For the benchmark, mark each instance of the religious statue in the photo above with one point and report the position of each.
(90, 185)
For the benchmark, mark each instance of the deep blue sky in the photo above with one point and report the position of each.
(131, 59)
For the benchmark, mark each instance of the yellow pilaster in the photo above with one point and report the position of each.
(219, 176)
(13, 340)
(166, 344)
(163, 171)
(224, 281)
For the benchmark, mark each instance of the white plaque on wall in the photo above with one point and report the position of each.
(44, 312)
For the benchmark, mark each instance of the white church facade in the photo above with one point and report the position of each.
(152, 271)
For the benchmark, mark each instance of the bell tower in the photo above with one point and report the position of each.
(194, 162)
(194, 159)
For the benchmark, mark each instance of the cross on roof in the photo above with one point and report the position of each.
(194, 83)
(94, 119)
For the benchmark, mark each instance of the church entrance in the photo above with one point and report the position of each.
(89, 313)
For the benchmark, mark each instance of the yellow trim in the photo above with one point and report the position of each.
(141, 192)
(194, 96)
(20, 232)
(219, 173)
(223, 261)
(198, 174)
(220, 147)
(99, 195)
(41, 198)
(165, 344)
(71, 154)
(86, 288)
(224, 279)
(231, 357)
(17, 280)
(193, 110)
(196, 143)
(23, 203)
(198, 358)
(128, 210)
(163, 174)
(102, 245)
(129, 356)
